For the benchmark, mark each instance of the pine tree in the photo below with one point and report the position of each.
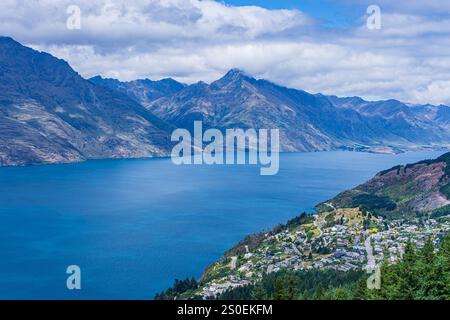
(292, 290)
(445, 248)
(259, 293)
(361, 289)
(278, 290)
(389, 283)
(442, 270)
(407, 272)
(427, 252)
(341, 294)
(426, 267)
(305, 295)
(319, 293)
(193, 284)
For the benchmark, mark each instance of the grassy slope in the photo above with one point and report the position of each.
(401, 191)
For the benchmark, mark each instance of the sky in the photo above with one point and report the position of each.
(316, 45)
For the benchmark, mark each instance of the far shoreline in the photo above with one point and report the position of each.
(444, 149)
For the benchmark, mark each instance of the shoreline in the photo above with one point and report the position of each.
(444, 149)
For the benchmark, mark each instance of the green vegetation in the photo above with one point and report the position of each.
(373, 202)
(445, 158)
(422, 274)
(399, 197)
(294, 285)
(398, 168)
(401, 193)
(445, 190)
(217, 270)
(254, 240)
(330, 219)
(304, 218)
(437, 213)
(179, 287)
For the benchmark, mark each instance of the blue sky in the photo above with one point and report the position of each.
(315, 45)
(332, 13)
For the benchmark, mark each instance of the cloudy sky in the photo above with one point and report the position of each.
(315, 45)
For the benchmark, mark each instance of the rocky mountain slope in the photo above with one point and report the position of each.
(143, 91)
(50, 114)
(411, 121)
(307, 122)
(413, 190)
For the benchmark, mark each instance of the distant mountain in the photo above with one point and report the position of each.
(403, 191)
(142, 91)
(413, 121)
(50, 114)
(307, 122)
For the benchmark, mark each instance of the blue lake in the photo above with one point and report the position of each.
(133, 226)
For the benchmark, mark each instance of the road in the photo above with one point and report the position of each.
(371, 265)
(316, 223)
(330, 205)
(233, 263)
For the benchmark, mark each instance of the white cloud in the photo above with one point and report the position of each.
(194, 40)
(435, 92)
(110, 23)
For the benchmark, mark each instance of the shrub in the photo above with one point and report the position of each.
(373, 202)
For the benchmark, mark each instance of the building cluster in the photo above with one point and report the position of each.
(341, 246)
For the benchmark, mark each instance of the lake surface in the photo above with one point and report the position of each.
(133, 226)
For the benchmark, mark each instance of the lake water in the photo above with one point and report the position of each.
(133, 226)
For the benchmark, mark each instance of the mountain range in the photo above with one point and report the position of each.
(50, 114)
(308, 122)
(143, 91)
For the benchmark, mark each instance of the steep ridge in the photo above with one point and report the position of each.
(307, 122)
(143, 91)
(50, 114)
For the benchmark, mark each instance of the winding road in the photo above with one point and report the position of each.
(330, 205)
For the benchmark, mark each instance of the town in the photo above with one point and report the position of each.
(343, 239)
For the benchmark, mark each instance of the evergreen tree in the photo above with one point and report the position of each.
(407, 274)
(420, 274)
(442, 271)
(361, 288)
(305, 295)
(278, 290)
(319, 293)
(259, 293)
(445, 248)
(426, 268)
(292, 290)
